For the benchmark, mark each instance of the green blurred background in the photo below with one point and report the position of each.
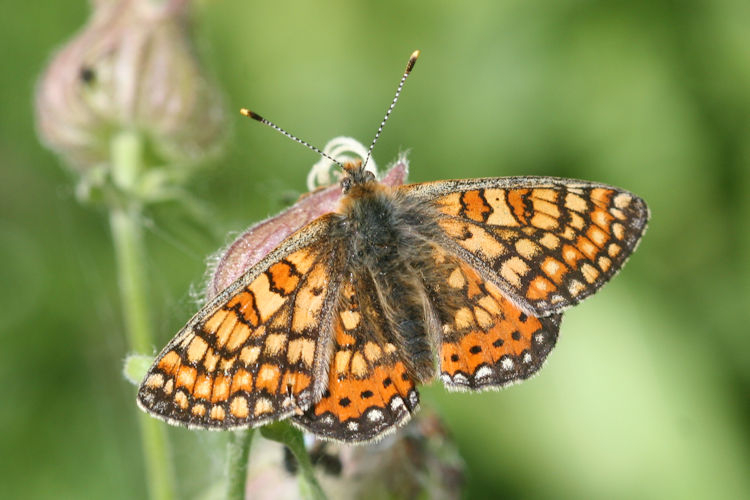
(646, 394)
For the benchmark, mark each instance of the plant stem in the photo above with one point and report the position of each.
(126, 233)
(131, 270)
(284, 433)
(238, 452)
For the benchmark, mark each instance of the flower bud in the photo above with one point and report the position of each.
(132, 67)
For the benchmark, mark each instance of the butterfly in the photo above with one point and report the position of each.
(334, 329)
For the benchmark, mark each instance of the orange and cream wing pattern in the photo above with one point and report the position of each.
(546, 242)
(487, 342)
(369, 391)
(255, 352)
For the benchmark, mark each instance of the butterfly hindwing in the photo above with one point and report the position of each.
(547, 243)
(369, 390)
(486, 341)
(259, 350)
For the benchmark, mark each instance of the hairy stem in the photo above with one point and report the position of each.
(131, 271)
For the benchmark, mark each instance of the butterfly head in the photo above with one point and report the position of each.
(355, 175)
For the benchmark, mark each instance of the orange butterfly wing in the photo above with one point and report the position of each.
(369, 390)
(486, 341)
(512, 253)
(259, 350)
(546, 243)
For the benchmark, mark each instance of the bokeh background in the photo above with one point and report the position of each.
(646, 394)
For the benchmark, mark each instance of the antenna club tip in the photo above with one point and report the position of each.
(250, 114)
(412, 60)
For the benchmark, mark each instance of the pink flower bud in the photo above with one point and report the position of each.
(132, 67)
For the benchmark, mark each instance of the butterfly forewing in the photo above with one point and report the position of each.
(257, 352)
(547, 243)
(369, 390)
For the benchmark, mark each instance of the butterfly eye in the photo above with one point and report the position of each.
(346, 184)
(369, 176)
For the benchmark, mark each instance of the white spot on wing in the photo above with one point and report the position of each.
(484, 372)
(397, 403)
(352, 426)
(413, 398)
(526, 357)
(375, 415)
(507, 363)
(556, 298)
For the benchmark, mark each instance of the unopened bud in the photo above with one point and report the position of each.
(132, 67)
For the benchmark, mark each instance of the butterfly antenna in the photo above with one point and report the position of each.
(409, 67)
(257, 117)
